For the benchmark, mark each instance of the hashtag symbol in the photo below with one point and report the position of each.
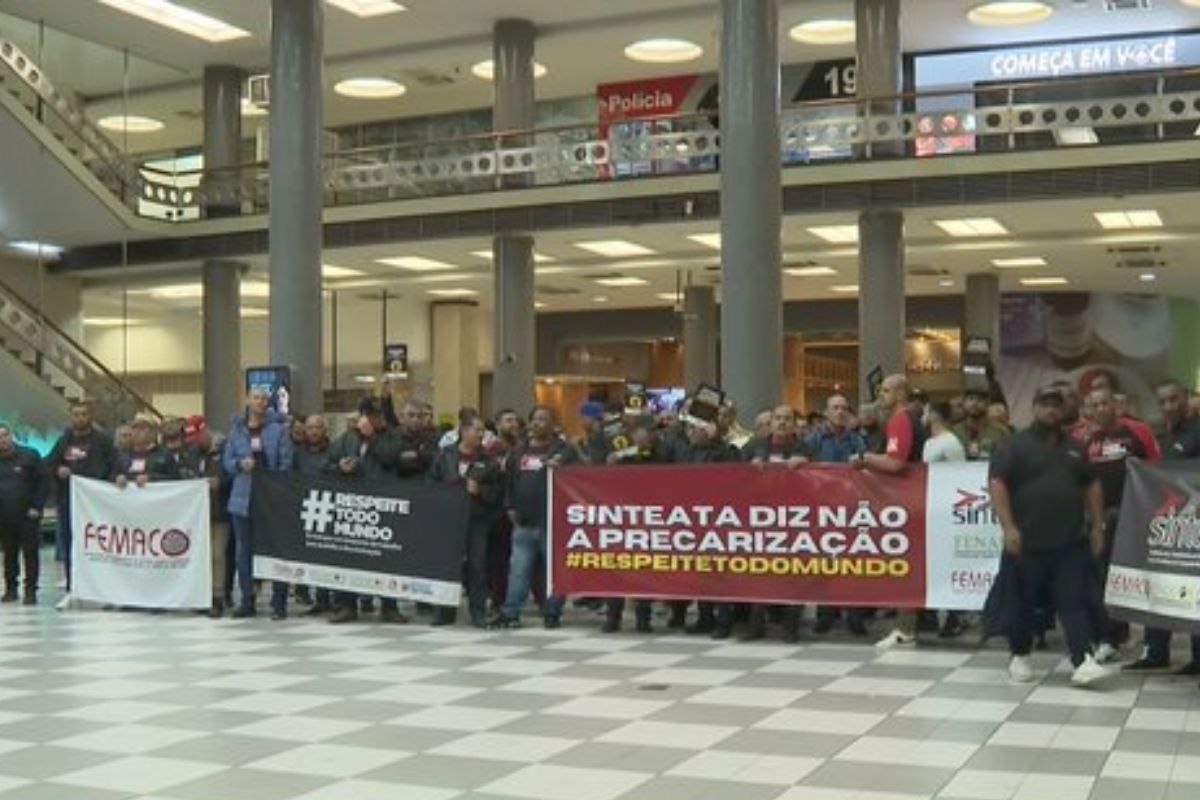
(574, 560)
(316, 512)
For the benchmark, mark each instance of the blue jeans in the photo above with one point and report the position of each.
(243, 537)
(528, 548)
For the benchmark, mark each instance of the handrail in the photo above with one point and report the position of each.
(13, 296)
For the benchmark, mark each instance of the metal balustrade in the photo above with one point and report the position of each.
(929, 124)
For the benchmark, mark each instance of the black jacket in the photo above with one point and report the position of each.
(377, 457)
(449, 467)
(195, 463)
(414, 454)
(156, 463)
(526, 471)
(307, 461)
(23, 484)
(712, 453)
(90, 456)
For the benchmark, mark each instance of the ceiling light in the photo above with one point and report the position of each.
(1021, 262)
(331, 271)
(37, 249)
(1053, 281)
(367, 8)
(615, 248)
(415, 263)
(487, 70)
(946, 283)
(810, 272)
(671, 296)
(370, 88)
(622, 282)
(252, 109)
(195, 291)
(824, 31)
(455, 292)
(1147, 277)
(836, 234)
(360, 284)
(110, 322)
(712, 240)
(548, 270)
(185, 20)
(1010, 12)
(1125, 220)
(599, 299)
(488, 255)
(539, 304)
(254, 313)
(971, 227)
(1076, 136)
(663, 51)
(131, 124)
(844, 288)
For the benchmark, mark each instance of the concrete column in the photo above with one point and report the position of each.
(699, 336)
(297, 50)
(222, 138)
(880, 68)
(751, 310)
(222, 342)
(455, 357)
(982, 308)
(881, 323)
(515, 320)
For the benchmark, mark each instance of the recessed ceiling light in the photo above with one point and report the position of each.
(971, 227)
(599, 299)
(455, 292)
(824, 31)
(1021, 262)
(488, 255)
(1010, 12)
(549, 270)
(1076, 136)
(254, 312)
(194, 291)
(539, 304)
(185, 20)
(415, 263)
(486, 70)
(712, 240)
(252, 109)
(1052, 281)
(1147, 277)
(445, 277)
(37, 249)
(131, 124)
(810, 272)
(622, 282)
(615, 248)
(836, 234)
(663, 51)
(332, 271)
(370, 88)
(844, 288)
(1125, 220)
(367, 8)
(364, 284)
(671, 296)
(946, 283)
(110, 322)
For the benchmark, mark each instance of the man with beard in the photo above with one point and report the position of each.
(979, 436)
(309, 459)
(82, 451)
(23, 492)
(147, 461)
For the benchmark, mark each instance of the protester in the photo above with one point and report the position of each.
(870, 429)
(1041, 486)
(998, 416)
(943, 446)
(1111, 442)
(258, 440)
(979, 434)
(83, 451)
(309, 459)
(146, 461)
(201, 459)
(23, 493)
(833, 442)
(509, 433)
(1180, 439)
(594, 444)
(468, 464)
(123, 438)
(527, 472)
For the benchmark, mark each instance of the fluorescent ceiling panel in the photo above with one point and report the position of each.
(415, 263)
(179, 18)
(615, 248)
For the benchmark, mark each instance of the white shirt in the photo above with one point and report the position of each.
(943, 447)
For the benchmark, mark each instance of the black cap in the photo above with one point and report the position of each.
(369, 407)
(1050, 393)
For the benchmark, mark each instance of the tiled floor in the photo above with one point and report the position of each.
(114, 706)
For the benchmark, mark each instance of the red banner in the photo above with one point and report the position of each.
(821, 534)
(652, 97)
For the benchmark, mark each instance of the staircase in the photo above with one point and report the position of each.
(65, 371)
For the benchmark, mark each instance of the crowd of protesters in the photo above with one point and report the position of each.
(1056, 489)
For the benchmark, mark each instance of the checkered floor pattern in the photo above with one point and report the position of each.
(113, 706)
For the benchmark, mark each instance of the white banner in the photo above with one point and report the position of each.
(964, 541)
(146, 547)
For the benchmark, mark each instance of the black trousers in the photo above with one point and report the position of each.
(1158, 646)
(1104, 627)
(1069, 574)
(19, 539)
(614, 608)
(479, 534)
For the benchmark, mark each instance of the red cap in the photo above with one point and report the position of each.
(195, 427)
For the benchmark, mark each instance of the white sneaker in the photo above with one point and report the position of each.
(1020, 670)
(1107, 654)
(1089, 673)
(65, 603)
(897, 638)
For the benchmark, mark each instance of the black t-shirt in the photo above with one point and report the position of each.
(1109, 452)
(1047, 476)
(1182, 442)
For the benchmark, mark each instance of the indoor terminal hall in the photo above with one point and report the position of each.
(600, 399)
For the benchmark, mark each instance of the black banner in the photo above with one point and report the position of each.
(400, 539)
(1155, 573)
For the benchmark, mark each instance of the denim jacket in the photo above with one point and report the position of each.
(277, 449)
